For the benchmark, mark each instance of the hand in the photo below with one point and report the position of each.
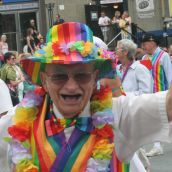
(114, 84)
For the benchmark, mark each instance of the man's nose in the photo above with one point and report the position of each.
(71, 84)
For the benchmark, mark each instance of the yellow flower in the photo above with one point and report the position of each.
(24, 114)
(63, 122)
(87, 49)
(26, 166)
(48, 50)
(103, 149)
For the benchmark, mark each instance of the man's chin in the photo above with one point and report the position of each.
(70, 112)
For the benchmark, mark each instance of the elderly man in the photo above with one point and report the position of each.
(69, 126)
(161, 73)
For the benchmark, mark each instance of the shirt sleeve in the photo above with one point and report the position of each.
(5, 103)
(139, 120)
(167, 66)
(5, 122)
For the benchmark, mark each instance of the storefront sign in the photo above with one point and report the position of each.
(19, 6)
(145, 8)
(110, 1)
(15, 1)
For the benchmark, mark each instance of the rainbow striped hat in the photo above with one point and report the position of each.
(68, 43)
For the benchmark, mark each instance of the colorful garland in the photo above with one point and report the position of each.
(85, 49)
(26, 113)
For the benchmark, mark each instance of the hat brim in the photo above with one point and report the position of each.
(33, 67)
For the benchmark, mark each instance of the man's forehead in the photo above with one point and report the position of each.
(58, 67)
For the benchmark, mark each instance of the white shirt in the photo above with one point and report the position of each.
(5, 102)
(104, 22)
(138, 79)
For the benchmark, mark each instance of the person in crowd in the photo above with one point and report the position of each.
(5, 103)
(31, 46)
(8, 75)
(19, 76)
(128, 19)
(3, 48)
(41, 43)
(58, 20)
(69, 125)
(135, 79)
(35, 32)
(125, 25)
(104, 22)
(139, 54)
(161, 72)
(115, 23)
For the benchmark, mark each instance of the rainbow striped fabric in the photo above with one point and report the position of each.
(68, 43)
(160, 81)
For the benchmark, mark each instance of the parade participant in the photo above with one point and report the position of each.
(6, 102)
(161, 73)
(70, 126)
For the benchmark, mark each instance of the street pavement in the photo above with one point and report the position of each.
(161, 163)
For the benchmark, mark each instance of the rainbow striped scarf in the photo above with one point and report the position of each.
(160, 81)
(84, 151)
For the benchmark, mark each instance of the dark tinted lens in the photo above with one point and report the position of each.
(82, 77)
(59, 78)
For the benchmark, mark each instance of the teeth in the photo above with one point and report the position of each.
(71, 97)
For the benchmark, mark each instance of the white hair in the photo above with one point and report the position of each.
(130, 46)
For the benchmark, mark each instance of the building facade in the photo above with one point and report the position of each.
(150, 15)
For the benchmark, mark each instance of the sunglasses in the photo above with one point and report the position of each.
(80, 78)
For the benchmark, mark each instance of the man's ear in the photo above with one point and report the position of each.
(96, 78)
(43, 81)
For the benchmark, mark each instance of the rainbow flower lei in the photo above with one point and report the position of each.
(26, 112)
(85, 49)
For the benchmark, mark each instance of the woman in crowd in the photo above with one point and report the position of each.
(3, 48)
(30, 41)
(8, 74)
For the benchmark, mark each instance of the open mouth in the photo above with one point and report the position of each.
(71, 98)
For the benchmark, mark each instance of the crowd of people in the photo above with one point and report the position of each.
(121, 23)
(79, 97)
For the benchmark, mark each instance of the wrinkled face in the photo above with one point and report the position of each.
(120, 53)
(148, 46)
(69, 86)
